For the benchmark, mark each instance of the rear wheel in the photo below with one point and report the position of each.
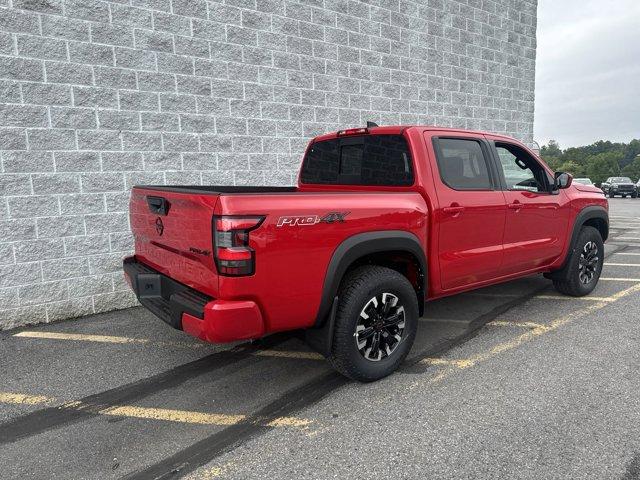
(375, 323)
(582, 271)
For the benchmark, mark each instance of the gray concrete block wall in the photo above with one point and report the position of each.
(96, 96)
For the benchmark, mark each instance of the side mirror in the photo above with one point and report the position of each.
(562, 180)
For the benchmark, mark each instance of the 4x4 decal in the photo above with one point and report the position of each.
(331, 217)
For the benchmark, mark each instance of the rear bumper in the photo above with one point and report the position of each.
(197, 314)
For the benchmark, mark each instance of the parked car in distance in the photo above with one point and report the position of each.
(583, 181)
(622, 186)
(383, 220)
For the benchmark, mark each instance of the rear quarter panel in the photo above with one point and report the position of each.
(291, 261)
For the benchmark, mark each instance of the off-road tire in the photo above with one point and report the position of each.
(567, 280)
(356, 290)
(611, 194)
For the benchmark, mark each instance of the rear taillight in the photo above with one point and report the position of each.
(233, 255)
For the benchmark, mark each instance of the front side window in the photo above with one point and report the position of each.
(360, 160)
(521, 170)
(462, 164)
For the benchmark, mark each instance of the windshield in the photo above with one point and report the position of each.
(621, 180)
(584, 181)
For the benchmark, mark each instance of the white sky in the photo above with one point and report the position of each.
(588, 71)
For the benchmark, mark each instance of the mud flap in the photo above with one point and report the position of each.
(321, 339)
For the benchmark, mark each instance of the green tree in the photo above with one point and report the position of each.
(603, 165)
(550, 150)
(572, 168)
(633, 169)
(597, 161)
(555, 163)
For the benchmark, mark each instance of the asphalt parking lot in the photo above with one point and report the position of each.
(511, 381)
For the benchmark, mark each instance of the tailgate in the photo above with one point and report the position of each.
(173, 234)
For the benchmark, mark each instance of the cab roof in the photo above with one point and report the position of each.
(399, 129)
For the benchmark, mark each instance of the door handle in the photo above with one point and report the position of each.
(515, 205)
(454, 209)
(158, 205)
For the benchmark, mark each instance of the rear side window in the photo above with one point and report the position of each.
(462, 164)
(362, 160)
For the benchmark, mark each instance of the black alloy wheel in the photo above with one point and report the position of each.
(380, 327)
(588, 263)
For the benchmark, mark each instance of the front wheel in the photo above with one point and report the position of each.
(375, 324)
(611, 194)
(582, 271)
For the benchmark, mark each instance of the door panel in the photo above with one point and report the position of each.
(535, 229)
(536, 220)
(471, 213)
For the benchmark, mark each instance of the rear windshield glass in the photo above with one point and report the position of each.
(362, 160)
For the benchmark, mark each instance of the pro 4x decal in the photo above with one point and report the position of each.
(301, 220)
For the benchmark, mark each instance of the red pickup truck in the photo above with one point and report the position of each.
(383, 220)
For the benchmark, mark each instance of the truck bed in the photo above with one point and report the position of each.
(216, 189)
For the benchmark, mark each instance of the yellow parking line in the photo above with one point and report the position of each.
(80, 337)
(193, 417)
(125, 340)
(179, 416)
(23, 399)
(622, 264)
(567, 297)
(445, 361)
(506, 323)
(460, 364)
(289, 422)
(619, 279)
(150, 413)
(210, 473)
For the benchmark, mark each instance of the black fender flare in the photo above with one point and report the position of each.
(350, 250)
(586, 214)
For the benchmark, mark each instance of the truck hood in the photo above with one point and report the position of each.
(587, 188)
